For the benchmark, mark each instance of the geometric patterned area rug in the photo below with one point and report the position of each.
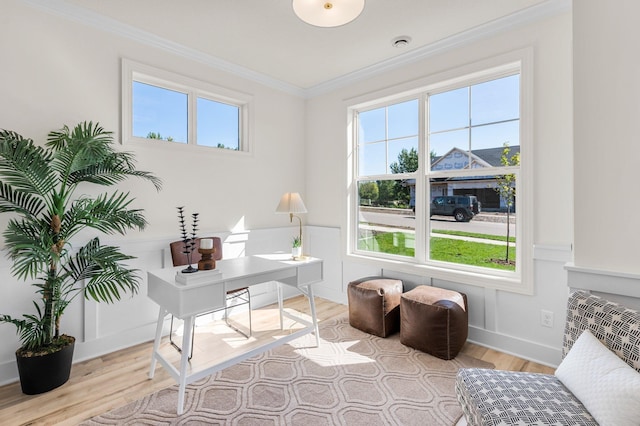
(353, 378)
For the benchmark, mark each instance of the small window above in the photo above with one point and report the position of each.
(162, 106)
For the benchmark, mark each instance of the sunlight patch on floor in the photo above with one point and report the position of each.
(329, 354)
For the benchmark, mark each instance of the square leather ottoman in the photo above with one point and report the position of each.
(434, 320)
(374, 305)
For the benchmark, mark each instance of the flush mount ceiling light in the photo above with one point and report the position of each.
(328, 13)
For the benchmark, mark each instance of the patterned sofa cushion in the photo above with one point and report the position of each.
(490, 397)
(493, 397)
(616, 326)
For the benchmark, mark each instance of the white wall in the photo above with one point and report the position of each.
(606, 114)
(500, 319)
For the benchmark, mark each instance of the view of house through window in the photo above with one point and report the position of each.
(455, 179)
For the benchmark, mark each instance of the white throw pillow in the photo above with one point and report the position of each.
(605, 384)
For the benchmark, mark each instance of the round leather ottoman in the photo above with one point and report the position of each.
(374, 305)
(434, 320)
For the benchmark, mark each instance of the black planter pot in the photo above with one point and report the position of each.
(39, 374)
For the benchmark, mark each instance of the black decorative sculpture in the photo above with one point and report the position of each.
(189, 242)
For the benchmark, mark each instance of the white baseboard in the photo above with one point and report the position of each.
(531, 351)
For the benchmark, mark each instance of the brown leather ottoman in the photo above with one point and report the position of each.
(434, 320)
(374, 305)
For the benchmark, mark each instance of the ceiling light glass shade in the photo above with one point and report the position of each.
(328, 13)
(291, 202)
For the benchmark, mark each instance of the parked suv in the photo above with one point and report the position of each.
(462, 207)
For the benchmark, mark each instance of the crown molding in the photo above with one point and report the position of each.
(95, 20)
(526, 16)
(86, 17)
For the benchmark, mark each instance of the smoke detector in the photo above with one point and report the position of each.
(401, 41)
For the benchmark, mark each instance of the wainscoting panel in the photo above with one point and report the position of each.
(618, 287)
(103, 328)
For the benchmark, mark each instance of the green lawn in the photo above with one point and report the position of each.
(443, 249)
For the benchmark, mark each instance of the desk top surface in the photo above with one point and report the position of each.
(230, 269)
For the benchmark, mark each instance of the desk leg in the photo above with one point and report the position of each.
(280, 304)
(184, 361)
(312, 305)
(156, 343)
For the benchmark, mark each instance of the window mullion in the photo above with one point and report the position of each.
(469, 127)
(386, 140)
(192, 118)
(421, 190)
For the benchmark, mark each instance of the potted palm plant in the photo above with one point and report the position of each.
(38, 189)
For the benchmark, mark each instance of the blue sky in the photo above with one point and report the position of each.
(164, 111)
(491, 108)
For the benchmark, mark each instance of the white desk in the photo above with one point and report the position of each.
(185, 301)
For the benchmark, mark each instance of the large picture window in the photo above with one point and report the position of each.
(159, 106)
(439, 182)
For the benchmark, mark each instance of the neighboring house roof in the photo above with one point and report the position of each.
(457, 158)
(493, 155)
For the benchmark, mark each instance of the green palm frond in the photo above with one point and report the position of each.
(107, 213)
(15, 201)
(83, 146)
(100, 266)
(29, 247)
(85, 131)
(31, 330)
(108, 286)
(113, 168)
(25, 166)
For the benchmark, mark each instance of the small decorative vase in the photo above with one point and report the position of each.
(296, 252)
(207, 262)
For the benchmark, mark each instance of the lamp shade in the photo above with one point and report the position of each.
(328, 13)
(291, 202)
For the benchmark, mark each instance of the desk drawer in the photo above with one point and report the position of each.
(306, 273)
(184, 301)
(310, 273)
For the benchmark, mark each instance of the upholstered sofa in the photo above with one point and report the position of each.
(590, 387)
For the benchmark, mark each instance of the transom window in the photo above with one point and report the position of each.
(162, 106)
(438, 179)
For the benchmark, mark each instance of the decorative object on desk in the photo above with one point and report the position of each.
(189, 242)
(206, 249)
(291, 203)
(352, 378)
(38, 184)
(296, 249)
(233, 298)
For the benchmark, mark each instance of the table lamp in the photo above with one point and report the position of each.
(291, 203)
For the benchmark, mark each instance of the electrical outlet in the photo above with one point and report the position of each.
(546, 318)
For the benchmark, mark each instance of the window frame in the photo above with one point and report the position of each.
(521, 281)
(194, 89)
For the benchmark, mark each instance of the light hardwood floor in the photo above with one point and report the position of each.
(101, 384)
